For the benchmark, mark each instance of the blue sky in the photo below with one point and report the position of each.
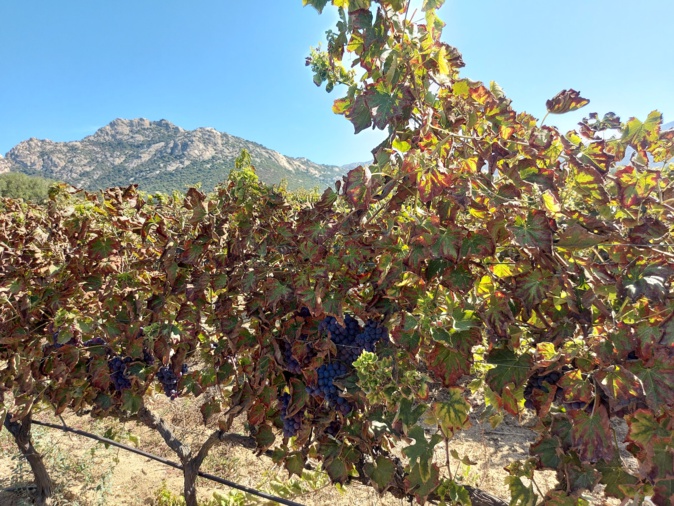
(73, 66)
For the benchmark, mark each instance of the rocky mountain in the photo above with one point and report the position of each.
(158, 156)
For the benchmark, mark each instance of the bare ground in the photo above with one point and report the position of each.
(88, 474)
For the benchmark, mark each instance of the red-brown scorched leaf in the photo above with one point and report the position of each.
(565, 101)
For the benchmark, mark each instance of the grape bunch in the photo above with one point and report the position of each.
(291, 363)
(304, 312)
(343, 337)
(372, 333)
(543, 382)
(148, 358)
(291, 424)
(117, 367)
(327, 373)
(169, 381)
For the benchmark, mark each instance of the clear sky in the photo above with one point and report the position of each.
(70, 67)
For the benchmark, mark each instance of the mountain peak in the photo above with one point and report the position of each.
(122, 129)
(159, 156)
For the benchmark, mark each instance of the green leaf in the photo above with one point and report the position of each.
(510, 368)
(477, 244)
(131, 402)
(319, 5)
(620, 385)
(657, 380)
(422, 482)
(452, 413)
(644, 427)
(408, 412)
(381, 472)
(533, 232)
(102, 247)
(294, 463)
(264, 437)
(559, 498)
(614, 476)
(337, 470)
(549, 451)
(575, 237)
(385, 106)
(431, 4)
(359, 114)
(210, 408)
(520, 494)
(531, 288)
(421, 452)
(635, 131)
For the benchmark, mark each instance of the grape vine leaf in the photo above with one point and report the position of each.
(422, 483)
(520, 494)
(131, 402)
(294, 463)
(408, 413)
(381, 472)
(448, 364)
(620, 385)
(533, 232)
(635, 131)
(452, 414)
(566, 101)
(658, 379)
(615, 477)
(510, 368)
(357, 187)
(644, 426)
(264, 437)
(421, 452)
(559, 498)
(549, 451)
(592, 434)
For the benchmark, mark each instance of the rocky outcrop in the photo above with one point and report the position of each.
(159, 156)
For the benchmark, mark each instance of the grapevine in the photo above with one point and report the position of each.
(478, 249)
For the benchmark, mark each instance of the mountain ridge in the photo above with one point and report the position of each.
(159, 156)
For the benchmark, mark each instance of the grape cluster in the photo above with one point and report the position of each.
(291, 363)
(372, 333)
(326, 388)
(304, 312)
(55, 345)
(291, 424)
(117, 367)
(148, 358)
(350, 339)
(544, 382)
(169, 381)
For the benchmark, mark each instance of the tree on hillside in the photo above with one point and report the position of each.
(20, 186)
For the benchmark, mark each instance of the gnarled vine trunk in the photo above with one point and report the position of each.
(20, 430)
(190, 463)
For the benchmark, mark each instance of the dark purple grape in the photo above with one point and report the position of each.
(117, 367)
(169, 381)
(291, 424)
(304, 312)
(291, 363)
(148, 358)
(96, 341)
